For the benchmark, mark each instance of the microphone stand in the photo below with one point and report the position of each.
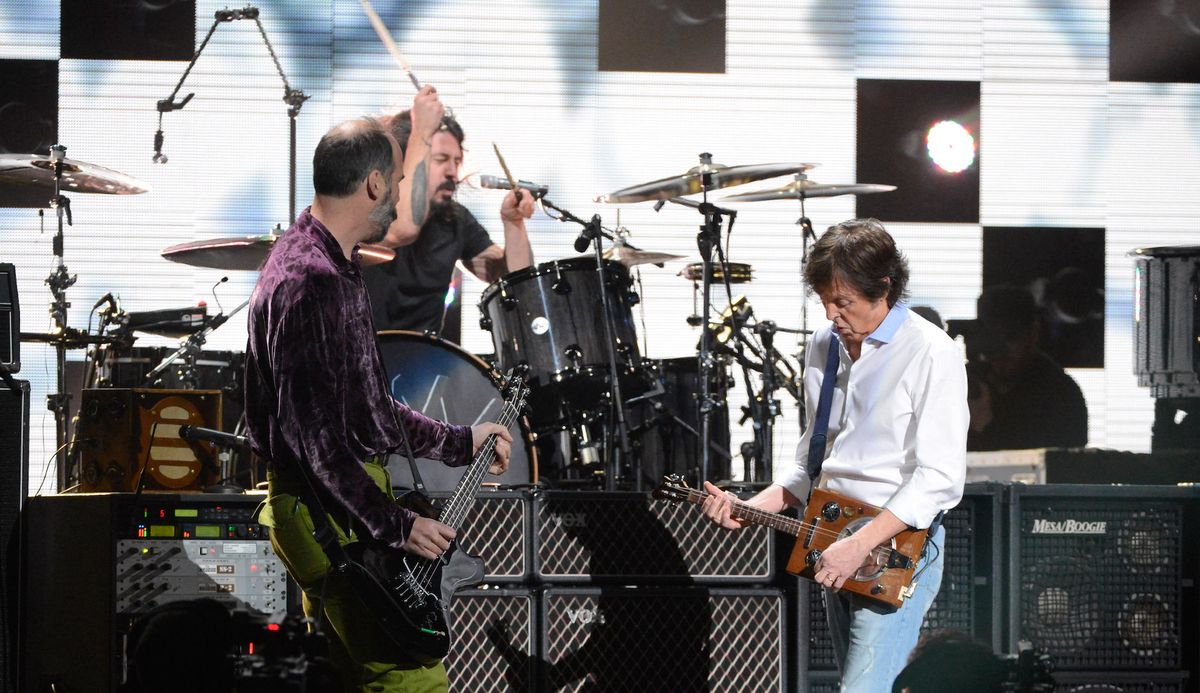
(190, 347)
(294, 98)
(620, 454)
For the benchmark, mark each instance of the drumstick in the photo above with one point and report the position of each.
(512, 182)
(385, 36)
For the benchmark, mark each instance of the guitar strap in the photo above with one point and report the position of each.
(816, 444)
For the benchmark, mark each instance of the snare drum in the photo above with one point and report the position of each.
(549, 319)
(446, 383)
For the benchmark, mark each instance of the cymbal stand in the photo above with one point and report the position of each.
(59, 281)
(807, 235)
(618, 452)
(707, 240)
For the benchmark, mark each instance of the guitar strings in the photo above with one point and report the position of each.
(458, 506)
(879, 552)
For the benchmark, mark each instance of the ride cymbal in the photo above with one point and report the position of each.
(630, 256)
(249, 252)
(808, 189)
(692, 181)
(37, 171)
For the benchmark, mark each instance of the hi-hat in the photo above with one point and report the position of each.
(37, 172)
(808, 189)
(631, 256)
(249, 252)
(692, 181)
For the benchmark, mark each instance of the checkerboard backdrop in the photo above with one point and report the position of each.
(1083, 124)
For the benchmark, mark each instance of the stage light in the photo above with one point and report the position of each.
(950, 146)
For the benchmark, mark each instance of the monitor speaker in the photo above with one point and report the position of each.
(14, 485)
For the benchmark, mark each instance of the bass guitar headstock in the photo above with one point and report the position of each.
(672, 488)
(515, 390)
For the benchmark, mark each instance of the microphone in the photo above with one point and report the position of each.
(590, 231)
(582, 243)
(159, 157)
(110, 300)
(501, 183)
(222, 439)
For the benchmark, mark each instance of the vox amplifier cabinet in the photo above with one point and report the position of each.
(1097, 575)
(585, 536)
(95, 562)
(494, 640)
(498, 530)
(663, 639)
(122, 431)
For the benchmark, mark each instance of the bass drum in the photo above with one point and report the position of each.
(442, 381)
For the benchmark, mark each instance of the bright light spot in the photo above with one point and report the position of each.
(450, 293)
(950, 146)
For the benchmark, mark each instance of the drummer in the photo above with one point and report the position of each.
(432, 231)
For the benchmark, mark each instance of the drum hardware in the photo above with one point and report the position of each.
(294, 98)
(737, 272)
(189, 349)
(592, 233)
(58, 173)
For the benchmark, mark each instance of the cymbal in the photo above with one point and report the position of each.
(249, 252)
(37, 171)
(808, 189)
(692, 181)
(739, 272)
(629, 256)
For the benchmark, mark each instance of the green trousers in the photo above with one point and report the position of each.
(363, 653)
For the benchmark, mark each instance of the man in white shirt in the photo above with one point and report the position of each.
(896, 439)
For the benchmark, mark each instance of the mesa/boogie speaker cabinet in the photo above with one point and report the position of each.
(969, 600)
(584, 536)
(1096, 575)
(498, 530)
(494, 640)
(663, 639)
(97, 562)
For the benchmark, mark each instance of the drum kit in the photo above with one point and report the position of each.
(580, 354)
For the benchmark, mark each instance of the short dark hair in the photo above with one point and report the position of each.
(402, 128)
(346, 156)
(863, 254)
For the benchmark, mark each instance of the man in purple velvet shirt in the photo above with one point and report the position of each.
(316, 395)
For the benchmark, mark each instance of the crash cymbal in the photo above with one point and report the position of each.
(37, 171)
(739, 272)
(631, 256)
(249, 252)
(692, 181)
(808, 189)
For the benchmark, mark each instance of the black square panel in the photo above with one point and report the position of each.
(662, 35)
(28, 120)
(1154, 41)
(936, 171)
(1064, 270)
(124, 30)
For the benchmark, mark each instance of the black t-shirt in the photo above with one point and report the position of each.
(409, 293)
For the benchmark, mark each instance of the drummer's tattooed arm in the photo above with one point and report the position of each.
(420, 204)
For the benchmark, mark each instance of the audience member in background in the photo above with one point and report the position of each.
(929, 314)
(1019, 397)
(951, 662)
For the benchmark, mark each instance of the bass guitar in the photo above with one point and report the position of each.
(886, 575)
(409, 595)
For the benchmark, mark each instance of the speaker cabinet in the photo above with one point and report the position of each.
(1120, 682)
(663, 639)
(494, 646)
(14, 485)
(120, 431)
(1096, 575)
(498, 529)
(969, 600)
(10, 319)
(587, 537)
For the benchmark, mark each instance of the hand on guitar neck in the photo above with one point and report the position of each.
(479, 436)
(719, 505)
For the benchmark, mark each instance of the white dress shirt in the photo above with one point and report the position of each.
(898, 421)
